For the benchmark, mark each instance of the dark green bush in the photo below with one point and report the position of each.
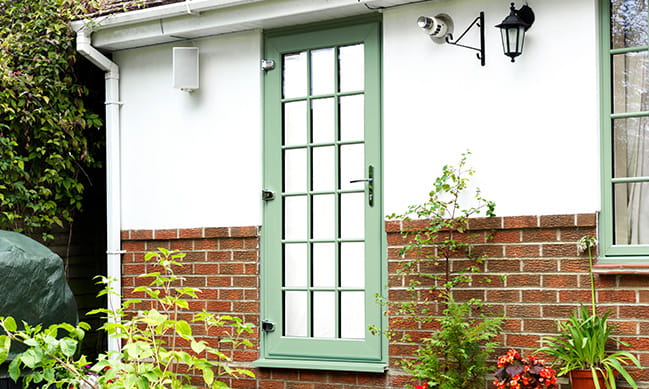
(47, 136)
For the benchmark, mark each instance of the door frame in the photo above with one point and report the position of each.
(374, 357)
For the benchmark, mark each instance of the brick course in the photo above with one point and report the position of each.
(543, 280)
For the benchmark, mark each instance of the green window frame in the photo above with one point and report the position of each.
(624, 50)
(364, 351)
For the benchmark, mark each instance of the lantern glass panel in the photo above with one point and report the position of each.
(521, 39)
(504, 37)
(512, 40)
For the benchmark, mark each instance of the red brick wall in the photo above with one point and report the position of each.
(545, 278)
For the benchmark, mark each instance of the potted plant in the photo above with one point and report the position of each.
(580, 348)
(516, 372)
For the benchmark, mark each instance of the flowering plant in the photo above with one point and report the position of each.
(516, 372)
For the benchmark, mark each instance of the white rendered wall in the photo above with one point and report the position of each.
(195, 160)
(192, 159)
(532, 125)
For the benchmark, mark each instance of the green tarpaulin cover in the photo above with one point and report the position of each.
(33, 287)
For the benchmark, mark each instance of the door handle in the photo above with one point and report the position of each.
(370, 184)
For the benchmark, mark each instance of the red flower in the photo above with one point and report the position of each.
(424, 386)
(516, 372)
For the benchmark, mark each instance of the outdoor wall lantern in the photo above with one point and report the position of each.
(513, 28)
(440, 30)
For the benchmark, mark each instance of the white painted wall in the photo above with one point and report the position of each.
(532, 126)
(192, 160)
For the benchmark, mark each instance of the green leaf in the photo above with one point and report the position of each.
(183, 329)
(219, 385)
(142, 383)
(31, 342)
(5, 346)
(14, 369)
(68, 347)
(208, 375)
(31, 358)
(10, 324)
(154, 317)
(130, 381)
(198, 347)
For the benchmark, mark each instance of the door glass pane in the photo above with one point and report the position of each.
(295, 313)
(324, 164)
(352, 74)
(295, 265)
(352, 125)
(630, 82)
(323, 120)
(295, 174)
(324, 314)
(352, 315)
(628, 23)
(352, 221)
(295, 123)
(324, 217)
(352, 166)
(295, 218)
(294, 84)
(324, 265)
(322, 71)
(352, 265)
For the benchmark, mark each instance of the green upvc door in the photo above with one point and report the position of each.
(322, 235)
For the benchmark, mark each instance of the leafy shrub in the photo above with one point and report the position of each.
(152, 353)
(455, 355)
(45, 129)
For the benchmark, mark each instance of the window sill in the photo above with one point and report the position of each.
(621, 268)
(367, 367)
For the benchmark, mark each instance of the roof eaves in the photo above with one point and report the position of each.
(108, 7)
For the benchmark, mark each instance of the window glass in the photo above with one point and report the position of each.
(630, 88)
(626, 168)
(631, 226)
(628, 23)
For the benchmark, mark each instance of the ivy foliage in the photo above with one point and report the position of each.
(47, 135)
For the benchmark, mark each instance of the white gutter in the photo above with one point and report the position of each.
(166, 11)
(113, 191)
(196, 19)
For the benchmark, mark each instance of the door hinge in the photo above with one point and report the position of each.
(267, 326)
(267, 64)
(267, 195)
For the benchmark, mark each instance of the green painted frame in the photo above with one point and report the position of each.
(370, 354)
(610, 253)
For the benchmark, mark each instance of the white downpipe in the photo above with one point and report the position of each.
(113, 190)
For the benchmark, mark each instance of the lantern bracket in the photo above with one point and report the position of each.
(479, 21)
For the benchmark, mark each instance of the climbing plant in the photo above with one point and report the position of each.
(440, 256)
(47, 135)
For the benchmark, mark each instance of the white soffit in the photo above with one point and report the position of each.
(201, 18)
